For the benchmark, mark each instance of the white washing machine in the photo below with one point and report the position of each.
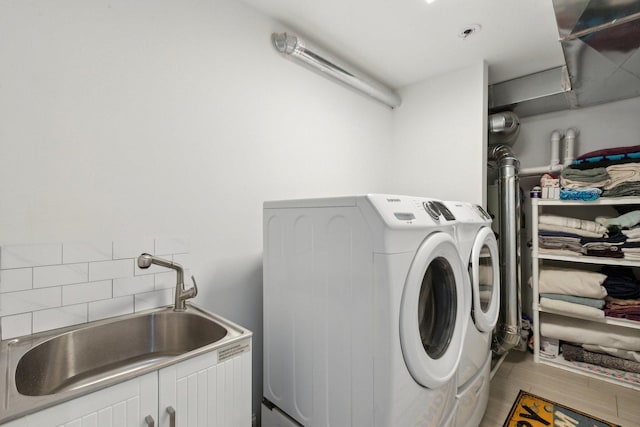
(364, 312)
(479, 252)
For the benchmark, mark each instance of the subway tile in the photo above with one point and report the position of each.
(183, 259)
(165, 280)
(61, 317)
(170, 245)
(117, 269)
(64, 274)
(133, 285)
(132, 248)
(154, 299)
(110, 308)
(18, 279)
(16, 326)
(86, 292)
(21, 256)
(73, 252)
(31, 300)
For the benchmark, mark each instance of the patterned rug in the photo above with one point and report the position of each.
(530, 410)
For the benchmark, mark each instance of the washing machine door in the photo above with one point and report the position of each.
(432, 317)
(485, 280)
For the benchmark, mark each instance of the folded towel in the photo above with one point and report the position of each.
(629, 172)
(572, 308)
(585, 175)
(623, 189)
(623, 354)
(627, 220)
(586, 194)
(579, 354)
(569, 230)
(591, 302)
(581, 224)
(588, 332)
(612, 151)
(570, 281)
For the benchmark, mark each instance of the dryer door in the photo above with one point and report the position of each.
(485, 280)
(432, 317)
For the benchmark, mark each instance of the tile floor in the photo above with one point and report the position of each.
(602, 399)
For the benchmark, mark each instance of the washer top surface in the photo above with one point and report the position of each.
(396, 211)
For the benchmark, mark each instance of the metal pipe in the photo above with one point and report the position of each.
(313, 57)
(507, 333)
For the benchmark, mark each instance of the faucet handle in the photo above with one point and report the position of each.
(194, 289)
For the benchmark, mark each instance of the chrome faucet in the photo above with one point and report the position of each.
(145, 260)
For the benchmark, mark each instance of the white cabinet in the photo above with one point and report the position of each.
(126, 404)
(207, 392)
(582, 210)
(210, 390)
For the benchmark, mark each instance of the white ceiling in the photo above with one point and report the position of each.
(401, 42)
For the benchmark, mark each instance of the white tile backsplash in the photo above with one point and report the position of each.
(16, 326)
(154, 299)
(111, 269)
(86, 292)
(18, 279)
(31, 300)
(165, 280)
(110, 308)
(54, 318)
(52, 285)
(56, 275)
(133, 285)
(86, 252)
(20, 256)
(132, 248)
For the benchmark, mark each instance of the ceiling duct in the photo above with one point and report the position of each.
(600, 40)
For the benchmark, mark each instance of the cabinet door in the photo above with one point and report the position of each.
(207, 391)
(126, 404)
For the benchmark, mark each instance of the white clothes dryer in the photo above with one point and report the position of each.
(479, 252)
(364, 312)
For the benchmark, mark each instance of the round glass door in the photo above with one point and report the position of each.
(438, 291)
(432, 320)
(485, 278)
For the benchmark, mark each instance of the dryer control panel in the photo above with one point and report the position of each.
(411, 211)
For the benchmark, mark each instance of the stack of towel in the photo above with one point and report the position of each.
(571, 236)
(613, 172)
(617, 237)
(614, 291)
(573, 291)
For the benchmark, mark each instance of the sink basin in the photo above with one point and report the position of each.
(42, 370)
(82, 357)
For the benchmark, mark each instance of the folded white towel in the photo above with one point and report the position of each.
(587, 332)
(570, 281)
(564, 221)
(572, 309)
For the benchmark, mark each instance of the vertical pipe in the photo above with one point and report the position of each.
(508, 329)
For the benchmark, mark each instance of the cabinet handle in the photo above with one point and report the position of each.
(149, 420)
(172, 416)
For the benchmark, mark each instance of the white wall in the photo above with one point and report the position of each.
(140, 121)
(608, 125)
(124, 120)
(439, 137)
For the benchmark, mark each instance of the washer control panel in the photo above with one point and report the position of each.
(411, 211)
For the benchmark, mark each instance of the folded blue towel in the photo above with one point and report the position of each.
(586, 194)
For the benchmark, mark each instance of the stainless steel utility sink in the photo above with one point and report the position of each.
(81, 357)
(45, 369)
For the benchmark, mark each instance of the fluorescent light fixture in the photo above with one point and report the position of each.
(314, 58)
